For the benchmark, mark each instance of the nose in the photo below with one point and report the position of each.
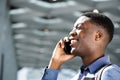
(72, 33)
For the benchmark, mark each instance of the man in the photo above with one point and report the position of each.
(91, 34)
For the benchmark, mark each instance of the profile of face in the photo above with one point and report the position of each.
(82, 36)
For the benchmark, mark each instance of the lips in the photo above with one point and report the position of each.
(73, 41)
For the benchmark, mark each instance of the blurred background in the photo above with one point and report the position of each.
(30, 29)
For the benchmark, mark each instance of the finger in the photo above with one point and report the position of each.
(66, 39)
(61, 43)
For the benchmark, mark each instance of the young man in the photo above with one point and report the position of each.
(91, 34)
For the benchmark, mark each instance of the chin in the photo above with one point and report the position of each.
(73, 51)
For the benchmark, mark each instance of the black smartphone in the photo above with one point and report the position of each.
(67, 47)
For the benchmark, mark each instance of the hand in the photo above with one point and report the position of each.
(59, 56)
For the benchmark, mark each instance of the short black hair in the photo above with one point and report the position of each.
(102, 20)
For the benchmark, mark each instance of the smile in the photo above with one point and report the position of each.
(73, 43)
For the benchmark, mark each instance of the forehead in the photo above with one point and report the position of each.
(81, 20)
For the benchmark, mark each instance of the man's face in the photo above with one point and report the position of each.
(81, 37)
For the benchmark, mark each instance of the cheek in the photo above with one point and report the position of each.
(88, 41)
(85, 41)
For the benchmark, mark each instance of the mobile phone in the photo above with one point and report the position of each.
(67, 47)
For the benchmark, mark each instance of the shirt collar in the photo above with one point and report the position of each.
(96, 65)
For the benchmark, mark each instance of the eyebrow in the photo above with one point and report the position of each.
(79, 24)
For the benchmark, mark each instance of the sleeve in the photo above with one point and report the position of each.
(50, 74)
(111, 73)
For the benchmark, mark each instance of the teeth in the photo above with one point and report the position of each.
(73, 41)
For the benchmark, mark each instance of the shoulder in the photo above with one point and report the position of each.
(111, 73)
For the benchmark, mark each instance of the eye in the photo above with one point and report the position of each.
(78, 26)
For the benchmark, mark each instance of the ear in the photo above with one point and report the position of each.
(98, 36)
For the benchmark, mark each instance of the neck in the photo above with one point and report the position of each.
(90, 59)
